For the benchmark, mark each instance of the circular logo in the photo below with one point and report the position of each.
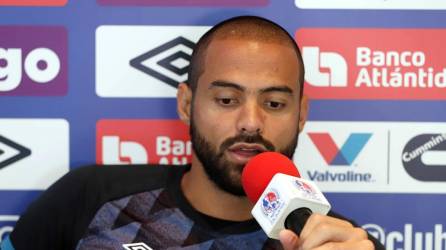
(304, 187)
(270, 202)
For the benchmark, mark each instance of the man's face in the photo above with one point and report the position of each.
(246, 102)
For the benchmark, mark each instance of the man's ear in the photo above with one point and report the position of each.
(184, 102)
(303, 112)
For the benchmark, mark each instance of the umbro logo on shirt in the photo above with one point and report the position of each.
(136, 246)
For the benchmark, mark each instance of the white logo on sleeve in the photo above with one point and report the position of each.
(136, 246)
(115, 151)
(333, 62)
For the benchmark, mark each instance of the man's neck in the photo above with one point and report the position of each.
(207, 198)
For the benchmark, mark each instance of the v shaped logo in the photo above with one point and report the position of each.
(11, 152)
(331, 152)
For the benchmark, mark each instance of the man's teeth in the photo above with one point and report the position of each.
(248, 149)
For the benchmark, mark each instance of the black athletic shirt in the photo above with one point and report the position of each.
(129, 207)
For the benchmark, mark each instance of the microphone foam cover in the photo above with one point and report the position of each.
(259, 171)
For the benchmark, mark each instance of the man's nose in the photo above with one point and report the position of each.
(250, 119)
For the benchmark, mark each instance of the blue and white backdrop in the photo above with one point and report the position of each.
(86, 81)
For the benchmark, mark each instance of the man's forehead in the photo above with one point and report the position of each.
(246, 42)
(257, 89)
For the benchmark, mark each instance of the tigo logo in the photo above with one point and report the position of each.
(33, 2)
(185, 3)
(372, 64)
(25, 144)
(316, 63)
(143, 61)
(143, 142)
(335, 156)
(33, 61)
(424, 157)
(371, 4)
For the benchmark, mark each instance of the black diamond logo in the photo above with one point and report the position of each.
(168, 63)
(9, 147)
(137, 246)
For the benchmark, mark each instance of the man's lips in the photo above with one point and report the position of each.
(244, 151)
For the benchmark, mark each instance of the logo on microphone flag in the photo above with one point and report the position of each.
(271, 205)
(307, 190)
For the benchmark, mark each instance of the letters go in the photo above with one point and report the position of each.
(11, 73)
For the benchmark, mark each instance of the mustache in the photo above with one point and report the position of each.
(243, 138)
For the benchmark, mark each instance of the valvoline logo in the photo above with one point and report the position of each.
(373, 63)
(142, 142)
(335, 156)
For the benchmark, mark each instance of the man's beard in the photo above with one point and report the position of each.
(225, 174)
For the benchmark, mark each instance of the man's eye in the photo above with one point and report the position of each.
(226, 101)
(275, 105)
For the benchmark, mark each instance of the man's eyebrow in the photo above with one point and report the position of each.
(284, 89)
(224, 84)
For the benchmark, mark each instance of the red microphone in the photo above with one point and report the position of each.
(282, 199)
(259, 171)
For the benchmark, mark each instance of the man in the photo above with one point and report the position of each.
(243, 97)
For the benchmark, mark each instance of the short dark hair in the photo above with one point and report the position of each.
(249, 27)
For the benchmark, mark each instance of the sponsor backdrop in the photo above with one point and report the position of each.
(87, 81)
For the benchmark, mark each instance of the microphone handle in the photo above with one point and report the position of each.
(296, 220)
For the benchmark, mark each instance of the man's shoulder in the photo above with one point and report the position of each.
(62, 213)
(118, 178)
(99, 174)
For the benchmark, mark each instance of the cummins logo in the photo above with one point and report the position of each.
(11, 152)
(423, 157)
(143, 61)
(177, 62)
